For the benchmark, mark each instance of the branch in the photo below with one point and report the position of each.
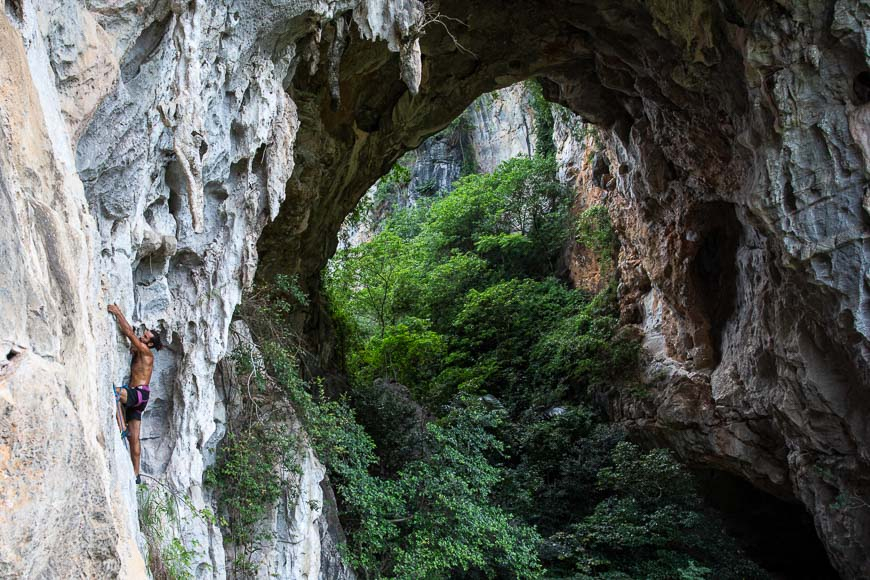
(431, 16)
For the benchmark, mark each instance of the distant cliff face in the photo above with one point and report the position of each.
(496, 127)
(148, 147)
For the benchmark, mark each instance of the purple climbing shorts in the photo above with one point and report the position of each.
(137, 400)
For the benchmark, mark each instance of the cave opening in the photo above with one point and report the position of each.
(760, 523)
(861, 87)
(714, 270)
(680, 91)
(777, 534)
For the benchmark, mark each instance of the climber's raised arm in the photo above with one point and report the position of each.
(126, 329)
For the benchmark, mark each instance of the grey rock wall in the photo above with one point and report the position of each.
(502, 126)
(144, 149)
(496, 127)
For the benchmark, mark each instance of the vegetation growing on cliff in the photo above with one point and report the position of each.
(163, 513)
(544, 145)
(469, 443)
(475, 370)
(595, 232)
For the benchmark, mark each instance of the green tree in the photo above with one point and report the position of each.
(652, 525)
(370, 279)
(451, 521)
(407, 352)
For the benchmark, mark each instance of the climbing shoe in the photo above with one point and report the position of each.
(138, 480)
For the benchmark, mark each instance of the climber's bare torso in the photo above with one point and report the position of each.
(140, 347)
(141, 367)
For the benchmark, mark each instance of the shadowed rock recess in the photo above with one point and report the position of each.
(154, 152)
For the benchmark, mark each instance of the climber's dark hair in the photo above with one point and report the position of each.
(156, 343)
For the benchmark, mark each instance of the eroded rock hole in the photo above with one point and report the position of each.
(777, 534)
(861, 88)
(143, 48)
(8, 363)
(15, 9)
(177, 193)
(216, 190)
(714, 270)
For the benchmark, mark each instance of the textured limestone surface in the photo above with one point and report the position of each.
(301, 530)
(62, 469)
(147, 144)
(496, 127)
(144, 146)
(502, 126)
(582, 166)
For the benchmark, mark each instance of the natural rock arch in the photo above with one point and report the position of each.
(727, 124)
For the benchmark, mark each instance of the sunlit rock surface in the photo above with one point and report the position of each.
(144, 148)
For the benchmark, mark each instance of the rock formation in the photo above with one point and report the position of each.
(496, 127)
(148, 145)
(145, 148)
(736, 150)
(301, 531)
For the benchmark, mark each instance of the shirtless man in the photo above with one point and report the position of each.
(135, 397)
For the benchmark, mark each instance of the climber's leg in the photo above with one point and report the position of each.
(133, 429)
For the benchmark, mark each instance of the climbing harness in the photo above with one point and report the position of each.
(119, 414)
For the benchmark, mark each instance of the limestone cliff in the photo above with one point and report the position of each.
(145, 146)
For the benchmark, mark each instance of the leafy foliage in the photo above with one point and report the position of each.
(162, 512)
(544, 145)
(429, 520)
(493, 441)
(595, 231)
(448, 527)
(651, 525)
(249, 475)
(392, 185)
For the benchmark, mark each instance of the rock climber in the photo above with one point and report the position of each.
(134, 395)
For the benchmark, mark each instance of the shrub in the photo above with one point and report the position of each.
(652, 524)
(595, 231)
(247, 477)
(391, 186)
(162, 513)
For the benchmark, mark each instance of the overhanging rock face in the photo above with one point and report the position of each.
(148, 146)
(737, 139)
